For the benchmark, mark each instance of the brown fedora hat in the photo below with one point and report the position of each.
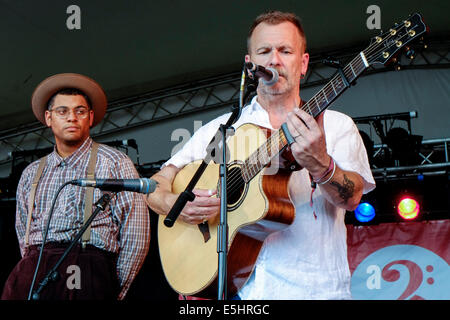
(47, 88)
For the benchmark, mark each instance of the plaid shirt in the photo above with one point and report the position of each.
(123, 228)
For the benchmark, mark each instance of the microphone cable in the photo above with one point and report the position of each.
(44, 238)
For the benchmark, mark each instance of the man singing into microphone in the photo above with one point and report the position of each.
(307, 260)
(114, 247)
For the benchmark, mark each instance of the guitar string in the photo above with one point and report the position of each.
(237, 177)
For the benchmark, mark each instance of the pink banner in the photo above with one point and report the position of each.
(408, 260)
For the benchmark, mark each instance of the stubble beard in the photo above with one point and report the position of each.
(275, 90)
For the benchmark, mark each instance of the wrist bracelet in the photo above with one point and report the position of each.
(330, 167)
(332, 174)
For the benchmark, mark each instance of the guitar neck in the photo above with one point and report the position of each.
(336, 86)
(315, 106)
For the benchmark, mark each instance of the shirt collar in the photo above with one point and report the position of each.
(55, 159)
(256, 110)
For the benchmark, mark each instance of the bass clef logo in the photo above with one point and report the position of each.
(404, 272)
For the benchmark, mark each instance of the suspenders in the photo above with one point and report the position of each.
(88, 198)
(32, 196)
(89, 193)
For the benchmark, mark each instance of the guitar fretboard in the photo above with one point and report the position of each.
(316, 105)
(262, 156)
(336, 86)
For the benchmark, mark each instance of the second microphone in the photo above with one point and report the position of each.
(143, 185)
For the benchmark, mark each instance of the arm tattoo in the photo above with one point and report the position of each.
(346, 189)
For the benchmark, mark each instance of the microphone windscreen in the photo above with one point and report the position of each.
(274, 79)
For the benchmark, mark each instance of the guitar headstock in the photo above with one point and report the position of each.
(385, 46)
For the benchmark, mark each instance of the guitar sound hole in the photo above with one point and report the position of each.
(236, 187)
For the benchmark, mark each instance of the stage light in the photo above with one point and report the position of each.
(365, 212)
(408, 208)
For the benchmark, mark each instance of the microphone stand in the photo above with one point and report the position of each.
(222, 228)
(53, 275)
(188, 195)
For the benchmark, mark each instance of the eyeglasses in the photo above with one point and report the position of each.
(63, 112)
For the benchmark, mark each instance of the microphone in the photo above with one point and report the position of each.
(143, 185)
(269, 76)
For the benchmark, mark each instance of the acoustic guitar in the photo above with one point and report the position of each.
(258, 202)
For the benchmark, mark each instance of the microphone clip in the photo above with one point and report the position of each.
(102, 203)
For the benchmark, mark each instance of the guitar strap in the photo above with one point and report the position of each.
(89, 194)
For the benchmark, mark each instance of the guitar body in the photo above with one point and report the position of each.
(189, 253)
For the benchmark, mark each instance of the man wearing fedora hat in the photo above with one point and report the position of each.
(113, 249)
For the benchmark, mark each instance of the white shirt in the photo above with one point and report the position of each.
(308, 259)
